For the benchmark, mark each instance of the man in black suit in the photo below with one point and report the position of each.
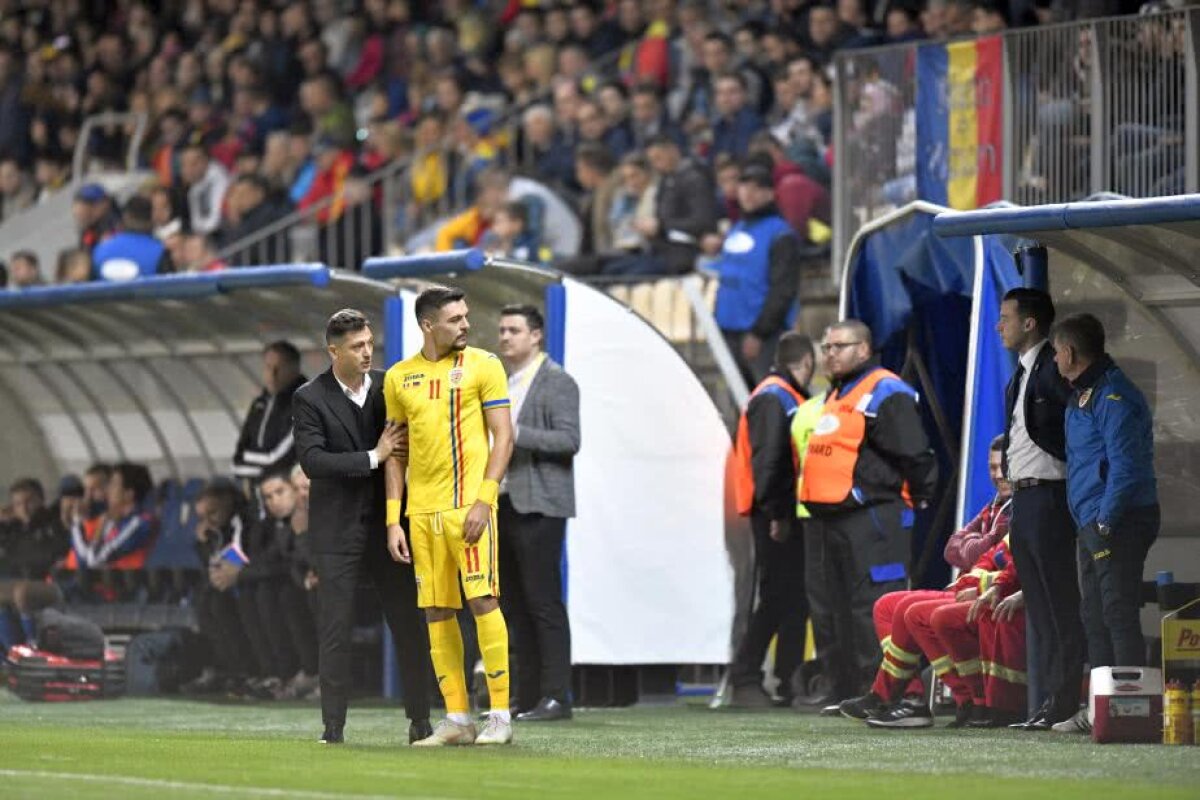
(1043, 532)
(343, 441)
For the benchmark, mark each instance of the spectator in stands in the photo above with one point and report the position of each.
(474, 147)
(133, 252)
(24, 271)
(51, 173)
(32, 542)
(74, 266)
(334, 162)
(903, 24)
(648, 117)
(17, 192)
(594, 170)
(856, 22)
(467, 229)
(790, 112)
(857, 547)
(685, 211)
(222, 522)
(987, 18)
(594, 129)
(1113, 494)
(265, 443)
(252, 208)
(198, 253)
(510, 237)
(597, 35)
(735, 121)
(301, 168)
(959, 18)
(759, 270)
(648, 58)
(801, 198)
(206, 182)
(331, 115)
(825, 32)
(95, 217)
(820, 109)
(546, 152)
(614, 100)
(119, 540)
(281, 610)
(566, 111)
(766, 477)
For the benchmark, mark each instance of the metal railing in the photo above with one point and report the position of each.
(117, 124)
(382, 211)
(1110, 105)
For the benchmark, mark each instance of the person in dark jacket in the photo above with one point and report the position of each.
(134, 252)
(266, 442)
(686, 210)
(735, 123)
(1043, 533)
(31, 544)
(1113, 495)
(867, 448)
(257, 208)
(782, 609)
(759, 270)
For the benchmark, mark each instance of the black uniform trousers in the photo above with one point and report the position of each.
(851, 559)
(338, 577)
(531, 596)
(781, 611)
(260, 605)
(220, 623)
(1110, 584)
(1042, 539)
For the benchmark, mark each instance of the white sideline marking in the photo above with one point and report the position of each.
(215, 788)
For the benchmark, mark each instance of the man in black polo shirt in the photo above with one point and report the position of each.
(1043, 532)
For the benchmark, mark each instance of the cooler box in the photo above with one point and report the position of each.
(1125, 704)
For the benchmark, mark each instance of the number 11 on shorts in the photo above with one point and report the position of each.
(473, 559)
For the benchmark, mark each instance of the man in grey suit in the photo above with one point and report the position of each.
(536, 499)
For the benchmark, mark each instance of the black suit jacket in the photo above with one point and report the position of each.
(346, 501)
(1045, 406)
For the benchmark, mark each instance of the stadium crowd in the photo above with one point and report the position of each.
(256, 109)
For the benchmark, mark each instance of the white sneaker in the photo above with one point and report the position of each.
(1076, 724)
(448, 733)
(495, 731)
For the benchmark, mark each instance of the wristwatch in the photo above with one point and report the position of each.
(1103, 529)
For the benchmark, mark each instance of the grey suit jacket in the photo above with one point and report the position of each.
(541, 479)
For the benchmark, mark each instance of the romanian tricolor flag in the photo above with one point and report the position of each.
(960, 131)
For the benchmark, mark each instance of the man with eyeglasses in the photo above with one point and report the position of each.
(868, 463)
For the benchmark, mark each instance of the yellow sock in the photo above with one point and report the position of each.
(446, 650)
(493, 645)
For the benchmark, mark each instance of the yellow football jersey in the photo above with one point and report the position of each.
(443, 403)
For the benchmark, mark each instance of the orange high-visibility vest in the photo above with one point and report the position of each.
(835, 443)
(91, 529)
(743, 472)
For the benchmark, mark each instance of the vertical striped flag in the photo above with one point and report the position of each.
(960, 100)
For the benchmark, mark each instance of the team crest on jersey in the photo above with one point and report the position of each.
(1084, 397)
(455, 377)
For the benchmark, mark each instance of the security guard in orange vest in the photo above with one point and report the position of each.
(868, 462)
(764, 489)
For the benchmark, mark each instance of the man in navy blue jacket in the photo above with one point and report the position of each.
(1112, 493)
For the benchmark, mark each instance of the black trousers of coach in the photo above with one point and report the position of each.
(851, 559)
(1043, 546)
(338, 577)
(531, 596)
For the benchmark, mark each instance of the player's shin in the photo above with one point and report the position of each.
(493, 645)
(446, 651)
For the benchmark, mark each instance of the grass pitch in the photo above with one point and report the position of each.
(181, 749)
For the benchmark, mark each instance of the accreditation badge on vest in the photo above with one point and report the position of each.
(1084, 397)
(827, 424)
(455, 377)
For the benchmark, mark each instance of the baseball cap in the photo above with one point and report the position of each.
(91, 193)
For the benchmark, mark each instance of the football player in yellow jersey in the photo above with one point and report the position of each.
(453, 398)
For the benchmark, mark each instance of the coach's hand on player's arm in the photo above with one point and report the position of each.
(477, 520)
(398, 544)
(401, 449)
(389, 441)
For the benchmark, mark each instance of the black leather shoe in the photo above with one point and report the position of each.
(548, 710)
(332, 736)
(419, 729)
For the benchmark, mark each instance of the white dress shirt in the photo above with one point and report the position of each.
(359, 399)
(1025, 459)
(518, 390)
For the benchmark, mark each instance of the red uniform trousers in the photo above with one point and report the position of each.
(898, 672)
(920, 620)
(987, 656)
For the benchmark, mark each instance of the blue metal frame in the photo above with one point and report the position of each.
(1063, 216)
(169, 286)
(383, 268)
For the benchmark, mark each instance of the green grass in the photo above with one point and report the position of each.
(178, 749)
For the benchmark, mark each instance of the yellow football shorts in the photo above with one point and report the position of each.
(443, 561)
